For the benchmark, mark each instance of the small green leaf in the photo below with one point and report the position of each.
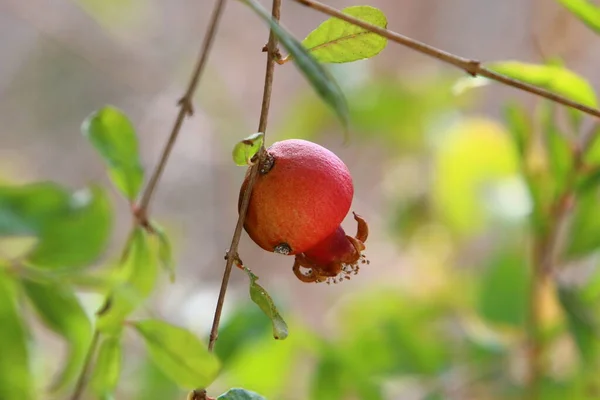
(586, 11)
(583, 324)
(137, 274)
(165, 251)
(240, 394)
(107, 368)
(260, 296)
(113, 135)
(551, 77)
(72, 228)
(15, 379)
(60, 310)
(519, 125)
(504, 287)
(247, 148)
(584, 235)
(338, 41)
(178, 353)
(321, 81)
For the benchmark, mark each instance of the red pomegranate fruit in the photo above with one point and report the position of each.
(302, 194)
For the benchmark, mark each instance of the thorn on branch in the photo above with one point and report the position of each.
(186, 104)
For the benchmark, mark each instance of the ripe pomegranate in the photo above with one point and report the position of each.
(302, 194)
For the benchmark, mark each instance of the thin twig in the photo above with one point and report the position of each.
(472, 67)
(185, 109)
(140, 211)
(262, 126)
(87, 364)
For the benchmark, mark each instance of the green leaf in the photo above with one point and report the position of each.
(584, 231)
(137, 274)
(15, 379)
(586, 11)
(165, 251)
(519, 125)
(240, 394)
(247, 148)
(178, 353)
(338, 41)
(551, 77)
(560, 152)
(321, 81)
(583, 324)
(107, 368)
(72, 228)
(592, 154)
(260, 296)
(112, 134)
(60, 310)
(504, 290)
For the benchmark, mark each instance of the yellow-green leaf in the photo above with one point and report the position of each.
(246, 149)
(338, 41)
(178, 353)
(551, 77)
(137, 275)
(107, 368)
(586, 11)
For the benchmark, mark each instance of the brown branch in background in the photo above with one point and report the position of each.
(472, 67)
(185, 109)
(232, 255)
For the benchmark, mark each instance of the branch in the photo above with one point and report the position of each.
(472, 67)
(185, 109)
(140, 211)
(87, 364)
(272, 52)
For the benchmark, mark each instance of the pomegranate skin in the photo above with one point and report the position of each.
(301, 200)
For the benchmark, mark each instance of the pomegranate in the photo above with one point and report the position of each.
(302, 194)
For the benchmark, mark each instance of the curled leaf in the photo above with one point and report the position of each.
(260, 296)
(245, 150)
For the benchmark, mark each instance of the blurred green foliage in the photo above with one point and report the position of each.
(488, 194)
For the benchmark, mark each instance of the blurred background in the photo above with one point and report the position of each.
(440, 310)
